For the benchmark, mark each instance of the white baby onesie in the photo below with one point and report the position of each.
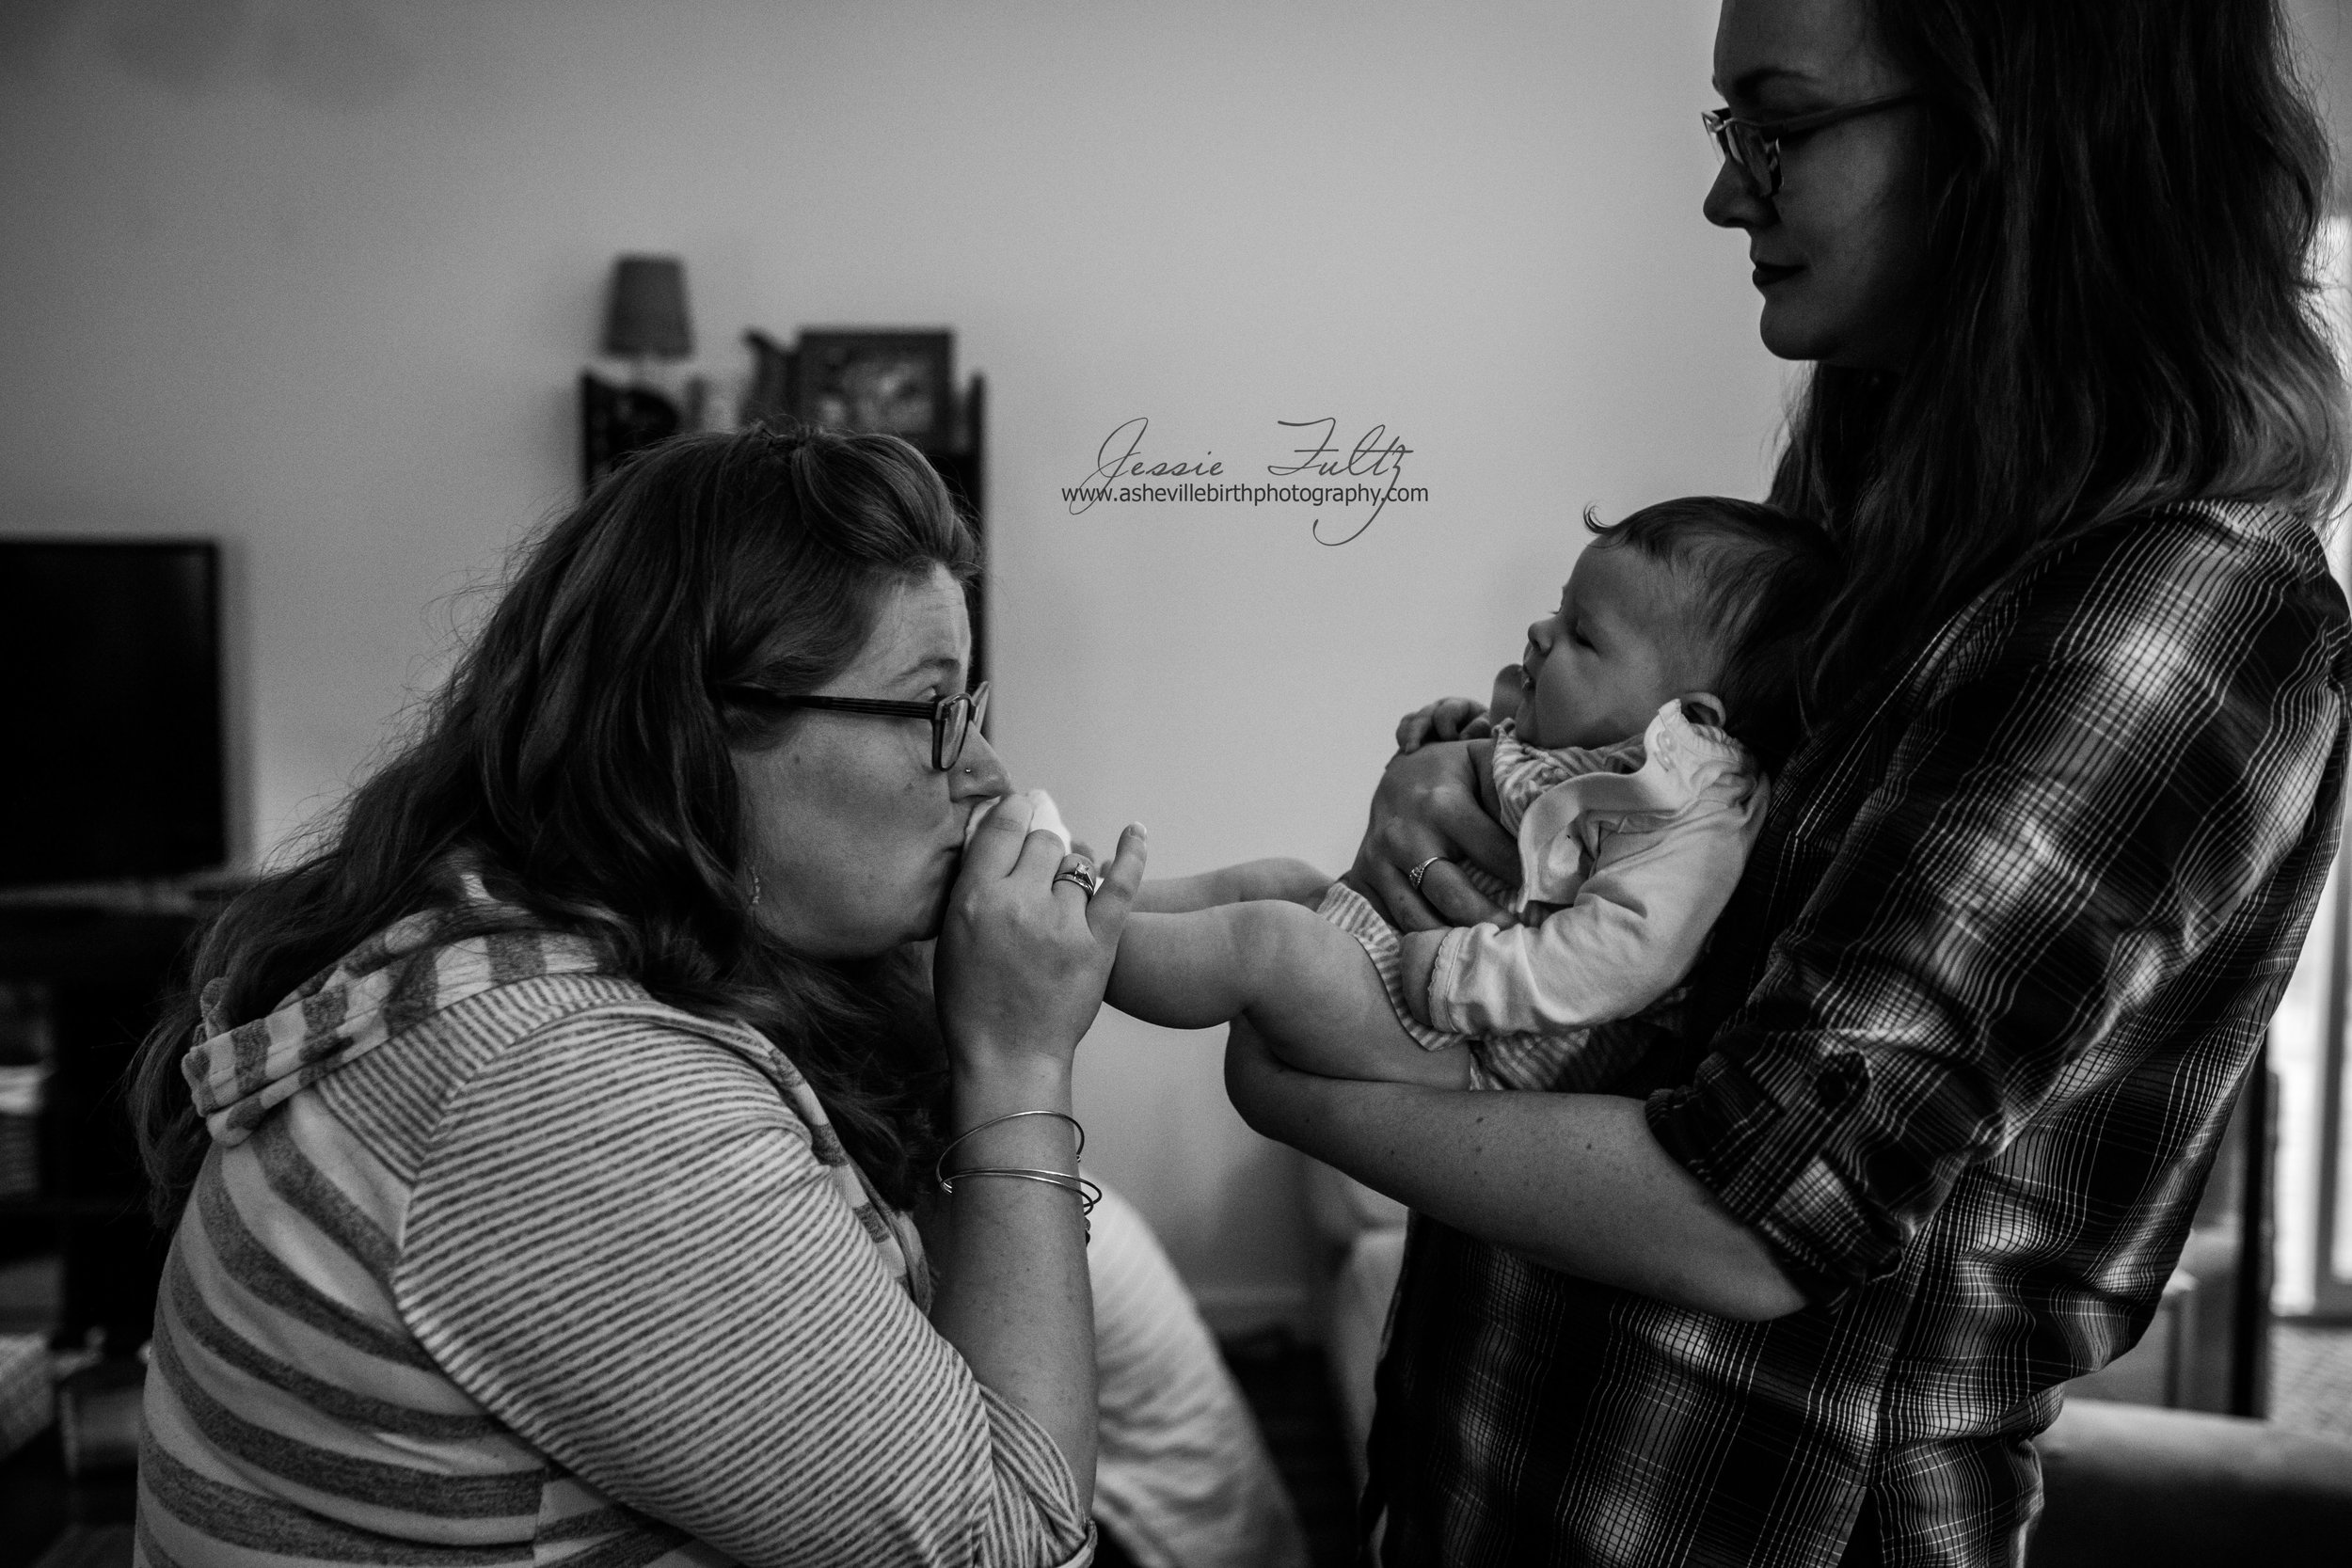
(1640, 843)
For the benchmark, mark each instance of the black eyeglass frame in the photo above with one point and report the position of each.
(971, 708)
(1754, 145)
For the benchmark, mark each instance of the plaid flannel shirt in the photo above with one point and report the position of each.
(1961, 1051)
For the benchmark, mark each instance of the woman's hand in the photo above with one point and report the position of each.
(1022, 957)
(1427, 806)
(1019, 976)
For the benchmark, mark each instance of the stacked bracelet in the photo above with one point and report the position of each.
(938, 1171)
(1088, 1194)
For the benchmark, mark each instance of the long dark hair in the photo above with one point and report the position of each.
(2116, 314)
(579, 759)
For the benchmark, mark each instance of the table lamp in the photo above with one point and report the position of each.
(646, 319)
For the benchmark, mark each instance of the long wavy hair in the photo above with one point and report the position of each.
(2118, 313)
(578, 758)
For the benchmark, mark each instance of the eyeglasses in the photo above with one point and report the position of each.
(953, 719)
(1754, 145)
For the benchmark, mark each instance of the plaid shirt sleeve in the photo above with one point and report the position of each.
(2105, 761)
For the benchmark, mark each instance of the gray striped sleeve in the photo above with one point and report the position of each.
(621, 1244)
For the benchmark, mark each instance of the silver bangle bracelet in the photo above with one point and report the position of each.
(939, 1167)
(1085, 1192)
(1089, 1195)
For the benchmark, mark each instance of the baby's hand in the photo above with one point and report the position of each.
(1510, 690)
(1447, 719)
(1417, 959)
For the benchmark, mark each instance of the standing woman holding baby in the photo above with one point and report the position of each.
(1956, 1064)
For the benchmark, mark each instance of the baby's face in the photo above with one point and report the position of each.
(1623, 643)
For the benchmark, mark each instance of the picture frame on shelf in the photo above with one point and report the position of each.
(895, 382)
(768, 398)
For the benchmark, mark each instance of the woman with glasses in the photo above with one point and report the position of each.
(1928, 1136)
(542, 1145)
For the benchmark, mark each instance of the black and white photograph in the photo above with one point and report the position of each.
(1311, 784)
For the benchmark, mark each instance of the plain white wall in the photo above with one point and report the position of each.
(2298, 1035)
(316, 275)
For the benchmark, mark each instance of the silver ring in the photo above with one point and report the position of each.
(1421, 870)
(1082, 874)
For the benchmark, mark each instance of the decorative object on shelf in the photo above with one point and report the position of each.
(897, 383)
(645, 320)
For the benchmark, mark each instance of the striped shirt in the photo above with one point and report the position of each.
(1962, 1052)
(496, 1261)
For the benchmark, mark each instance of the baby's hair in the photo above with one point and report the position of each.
(1761, 576)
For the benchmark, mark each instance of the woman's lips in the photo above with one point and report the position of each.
(1765, 274)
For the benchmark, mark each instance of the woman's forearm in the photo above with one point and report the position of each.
(1574, 1182)
(1014, 1293)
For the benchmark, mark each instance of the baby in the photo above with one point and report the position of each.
(1628, 756)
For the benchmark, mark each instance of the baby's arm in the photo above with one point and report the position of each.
(1301, 981)
(1463, 718)
(1632, 935)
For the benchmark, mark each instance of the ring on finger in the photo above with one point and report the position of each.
(1415, 875)
(1083, 875)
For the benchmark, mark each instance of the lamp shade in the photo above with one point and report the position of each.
(647, 318)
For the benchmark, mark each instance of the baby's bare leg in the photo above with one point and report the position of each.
(1293, 881)
(1303, 983)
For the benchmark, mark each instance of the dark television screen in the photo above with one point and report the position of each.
(110, 701)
